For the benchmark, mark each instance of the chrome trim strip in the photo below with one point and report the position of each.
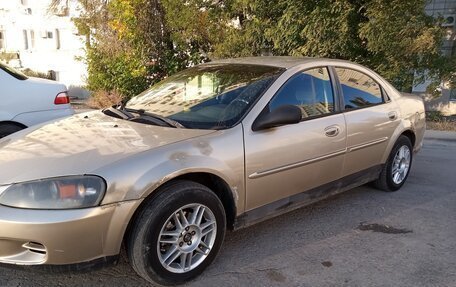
(259, 174)
(367, 144)
(295, 165)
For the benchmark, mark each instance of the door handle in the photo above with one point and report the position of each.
(392, 115)
(332, 131)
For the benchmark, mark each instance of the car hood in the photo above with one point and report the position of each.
(79, 145)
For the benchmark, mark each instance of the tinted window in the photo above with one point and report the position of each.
(310, 90)
(359, 90)
(18, 75)
(212, 96)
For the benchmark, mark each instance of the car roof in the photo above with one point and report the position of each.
(276, 61)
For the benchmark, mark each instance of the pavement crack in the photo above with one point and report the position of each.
(252, 271)
(270, 269)
(229, 272)
(382, 228)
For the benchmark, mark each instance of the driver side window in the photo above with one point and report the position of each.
(310, 90)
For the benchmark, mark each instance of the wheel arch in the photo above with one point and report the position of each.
(13, 123)
(214, 182)
(220, 187)
(406, 131)
(411, 135)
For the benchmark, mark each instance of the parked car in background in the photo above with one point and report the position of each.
(218, 146)
(27, 101)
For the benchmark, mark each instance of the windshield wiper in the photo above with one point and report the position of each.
(121, 112)
(141, 112)
(118, 113)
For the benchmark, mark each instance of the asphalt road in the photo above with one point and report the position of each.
(363, 237)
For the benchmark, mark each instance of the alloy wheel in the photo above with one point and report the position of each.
(186, 238)
(401, 164)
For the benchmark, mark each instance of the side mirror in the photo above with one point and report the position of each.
(283, 115)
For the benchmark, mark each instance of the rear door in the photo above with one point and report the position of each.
(288, 160)
(370, 116)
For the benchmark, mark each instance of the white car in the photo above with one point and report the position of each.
(27, 101)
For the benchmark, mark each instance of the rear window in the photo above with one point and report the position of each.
(16, 74)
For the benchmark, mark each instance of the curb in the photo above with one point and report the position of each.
(440, 135)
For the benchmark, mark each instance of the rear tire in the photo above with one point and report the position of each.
(397, 167)
(7, 129)
(177, 234)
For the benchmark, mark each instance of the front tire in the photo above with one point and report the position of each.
(397, 168)
(177, 234)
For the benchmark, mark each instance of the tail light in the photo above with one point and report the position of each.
(62, 99)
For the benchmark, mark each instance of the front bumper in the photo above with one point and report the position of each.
(60, 237)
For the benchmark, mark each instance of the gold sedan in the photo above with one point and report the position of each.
(218, 146)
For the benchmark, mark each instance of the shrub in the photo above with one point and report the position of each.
(434, 116)
(36, 74)
(103, 99)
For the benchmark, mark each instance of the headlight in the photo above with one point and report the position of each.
(55, 193)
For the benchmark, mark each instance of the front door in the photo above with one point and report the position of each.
(287, 160)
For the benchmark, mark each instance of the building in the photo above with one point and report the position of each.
(33, 37)
(447, 10)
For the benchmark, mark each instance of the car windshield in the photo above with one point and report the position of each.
(18, 75)
(211, 96)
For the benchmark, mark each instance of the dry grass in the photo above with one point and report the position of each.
(103, 99)
(441, 126)
(437, 121)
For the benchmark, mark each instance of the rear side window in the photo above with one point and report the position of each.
(18, 75)
(310, 90)
(358, 89)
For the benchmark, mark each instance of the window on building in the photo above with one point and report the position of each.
(32, 38)
(310, 90)
(57, 39)
(453, 95)
(2, 40)
(358, 89)
(49, 35)
(26, 44)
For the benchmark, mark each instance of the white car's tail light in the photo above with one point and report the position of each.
(62, 99)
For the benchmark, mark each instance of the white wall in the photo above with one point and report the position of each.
(43, 53)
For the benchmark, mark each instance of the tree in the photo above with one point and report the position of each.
(130, 45)
(393, 37)
(134, 43)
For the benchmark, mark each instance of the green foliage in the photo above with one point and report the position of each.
(134, 43)
(131, 46)
(121, 72)
(434, 116)
(401, 40)
(393, 37)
